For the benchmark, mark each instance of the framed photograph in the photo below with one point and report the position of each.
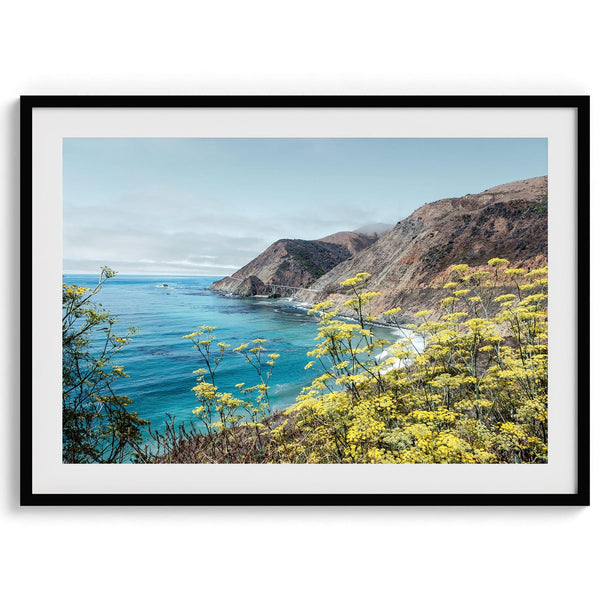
(303, 300)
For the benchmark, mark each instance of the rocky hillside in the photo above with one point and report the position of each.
(293, 264)
(409, 264)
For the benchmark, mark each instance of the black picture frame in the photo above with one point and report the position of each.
(582, 106)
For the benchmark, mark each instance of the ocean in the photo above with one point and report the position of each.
(160, 362)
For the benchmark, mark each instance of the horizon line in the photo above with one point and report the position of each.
(151, 274)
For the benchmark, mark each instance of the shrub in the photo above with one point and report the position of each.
(476, 393)
(467, 387)
(97, 425)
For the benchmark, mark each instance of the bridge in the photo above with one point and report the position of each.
(276, 286)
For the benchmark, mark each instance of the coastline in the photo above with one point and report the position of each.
(305, 307)
(302, 305)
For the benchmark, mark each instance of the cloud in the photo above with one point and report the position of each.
(176, 231)
(149, 267)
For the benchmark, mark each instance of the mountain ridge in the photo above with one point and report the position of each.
(409, 263)
(293, 263)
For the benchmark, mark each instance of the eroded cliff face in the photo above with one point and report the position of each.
(290, 264)
(409, 264)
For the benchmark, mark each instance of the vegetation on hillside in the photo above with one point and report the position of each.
(473, 390)
(476, 392)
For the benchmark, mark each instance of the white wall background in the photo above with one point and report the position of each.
(227, 47)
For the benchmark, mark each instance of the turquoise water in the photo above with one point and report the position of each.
(160, 362)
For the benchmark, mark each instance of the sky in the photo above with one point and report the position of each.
(203, 206)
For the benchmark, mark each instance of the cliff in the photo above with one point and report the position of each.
(409, 264)
(293, 264)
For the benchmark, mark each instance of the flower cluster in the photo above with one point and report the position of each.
(476, 393)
